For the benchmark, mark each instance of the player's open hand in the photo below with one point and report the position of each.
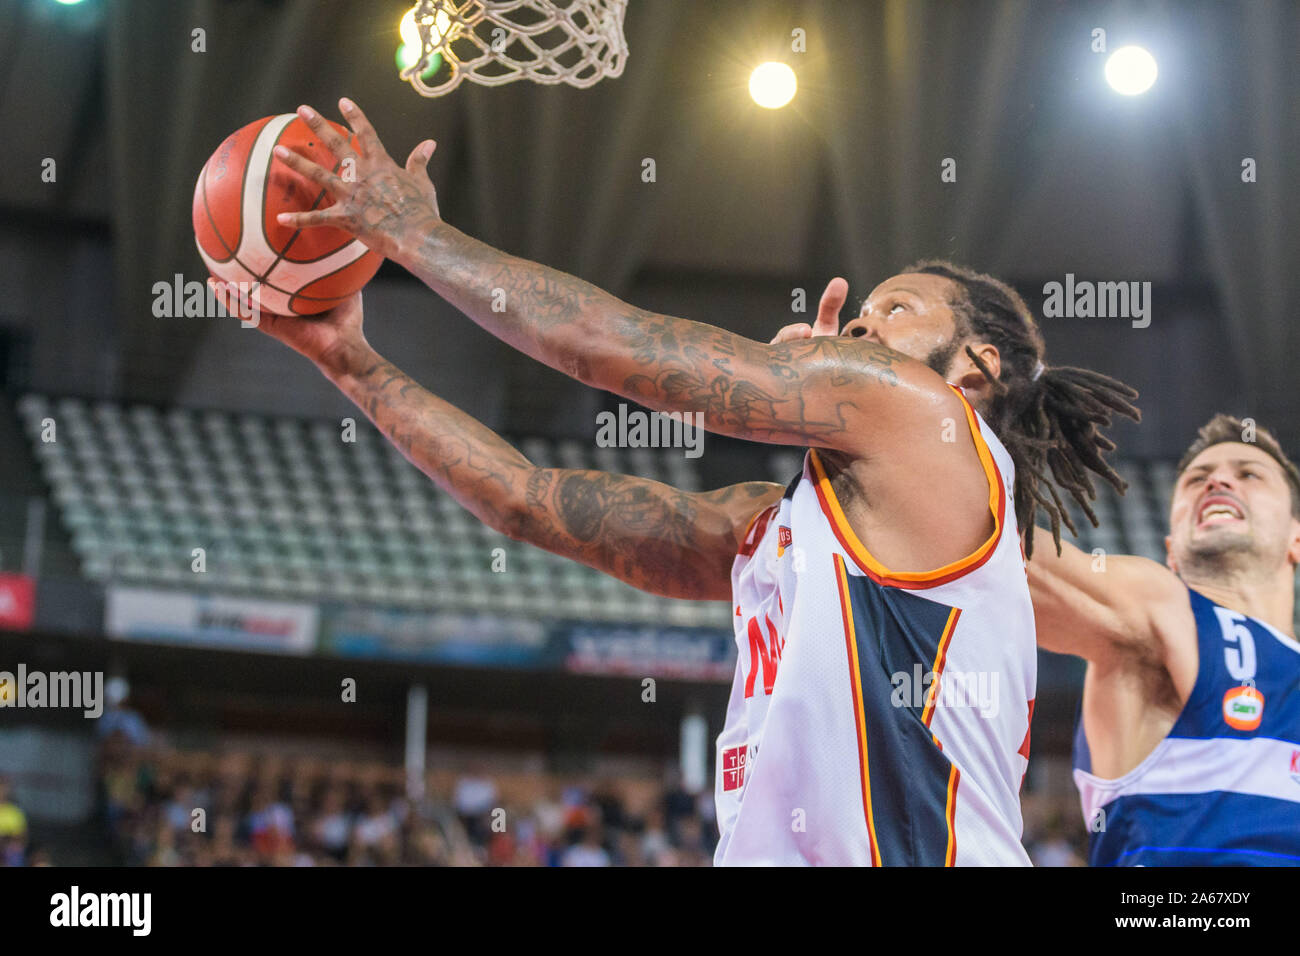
(828, 315)
(375, 199)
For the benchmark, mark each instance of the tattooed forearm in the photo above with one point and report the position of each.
(653, 536)
(511, 297)
(821, 391)
(810, 392)
(464, 457)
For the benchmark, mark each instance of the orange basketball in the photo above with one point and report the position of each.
(242, 188)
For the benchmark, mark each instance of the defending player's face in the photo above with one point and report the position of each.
(911, 313)
(1233, 497)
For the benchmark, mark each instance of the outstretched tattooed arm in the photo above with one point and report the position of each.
(846, 394)
(653, 536)
(648, 534)
(823, 391)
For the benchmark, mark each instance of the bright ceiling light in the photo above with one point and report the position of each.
(772, 85)
(1131, 70)
(410, 33)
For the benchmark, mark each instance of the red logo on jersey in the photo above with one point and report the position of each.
(1295, 765)
(783, 539)
(733, 767)
(769, 653)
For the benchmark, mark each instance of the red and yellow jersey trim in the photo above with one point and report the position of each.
(936, 668)
(755, 530)
(954, 778)
(855, 682)
(950, 809)
(917, 579)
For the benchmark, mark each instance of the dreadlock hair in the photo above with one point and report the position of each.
(1050, 424)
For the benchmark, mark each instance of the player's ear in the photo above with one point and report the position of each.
(1293, 547)
(968, 375)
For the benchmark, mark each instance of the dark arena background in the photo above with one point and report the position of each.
(305, 653)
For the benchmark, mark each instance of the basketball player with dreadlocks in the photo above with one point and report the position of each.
(881, 704)
(1187, 750)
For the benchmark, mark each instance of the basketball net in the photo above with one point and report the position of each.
(493, 42)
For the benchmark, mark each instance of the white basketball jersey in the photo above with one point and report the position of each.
(877, 718)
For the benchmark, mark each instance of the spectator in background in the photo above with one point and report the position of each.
(269, 824)
(180, 808)
(332, 828)
(474, 799)
(224, 850)
(387, 851)
(378, 824)
(678, 803)
(655, 840)
(691, 841)
(119, 719)
(428, 847)
(530, 844)
(607, 799)
(1052, 848)
(120, 792)
(549, 812)
(706, 809)
(165, 852)
(628, 850)
(579, 814)
(587, 851)
(13, 829)
(13, 822)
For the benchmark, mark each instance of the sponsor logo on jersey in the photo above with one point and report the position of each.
(1295, 765)
(733, 767)
(1243, 708)
(783, 539)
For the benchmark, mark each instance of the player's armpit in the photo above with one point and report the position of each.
(655, 537)
(1098, 606)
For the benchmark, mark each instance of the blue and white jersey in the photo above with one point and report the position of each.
(1223, 788)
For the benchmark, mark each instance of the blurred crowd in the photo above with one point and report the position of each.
(171, 808)
(167, 807)
(161, 806)
(1054, 833)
